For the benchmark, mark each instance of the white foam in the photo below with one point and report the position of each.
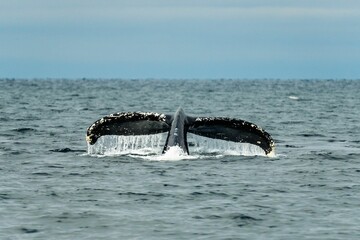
(174, 153)
(293, 97)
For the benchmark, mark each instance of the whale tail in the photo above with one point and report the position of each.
(145, 123)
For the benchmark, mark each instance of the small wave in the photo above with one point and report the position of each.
(311, 135)
(24, 130)
(4, 196)
(29, 230)
(239, 218)
(145, 195)
(291, 146)
(66, 150)
(41, 174)
(3, 119)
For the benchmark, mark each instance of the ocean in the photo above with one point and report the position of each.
(54, 186)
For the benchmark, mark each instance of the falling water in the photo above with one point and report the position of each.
(153, 145)
(203, 145)
(121, 145)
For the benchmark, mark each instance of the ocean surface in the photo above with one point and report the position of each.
(54, 186)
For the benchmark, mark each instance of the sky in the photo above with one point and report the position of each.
(180, 39)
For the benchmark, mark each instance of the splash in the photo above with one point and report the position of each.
(174, 153)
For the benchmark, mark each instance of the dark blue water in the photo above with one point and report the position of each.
(52, 188)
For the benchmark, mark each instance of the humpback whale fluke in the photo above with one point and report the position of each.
(177, 126)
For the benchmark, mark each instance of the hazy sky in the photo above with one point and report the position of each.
(180, 38)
